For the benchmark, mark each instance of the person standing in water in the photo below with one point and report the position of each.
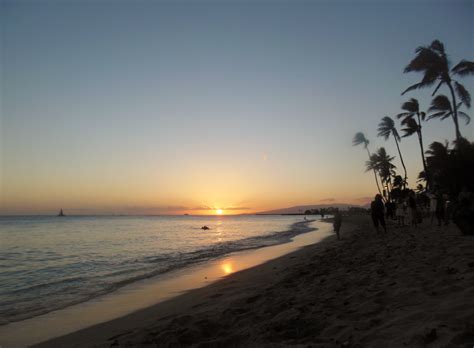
(377, 212)
(337, 222)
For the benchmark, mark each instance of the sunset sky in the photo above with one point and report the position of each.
(167, 107)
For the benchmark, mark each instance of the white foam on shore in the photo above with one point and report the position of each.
(147, 292)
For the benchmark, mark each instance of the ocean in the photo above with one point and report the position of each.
(48, 263)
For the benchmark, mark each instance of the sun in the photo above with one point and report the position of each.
(219, 211)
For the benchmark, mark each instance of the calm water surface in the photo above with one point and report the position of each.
(48, 263)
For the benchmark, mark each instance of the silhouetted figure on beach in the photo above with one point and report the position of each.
(432, 198)
(440, 207)
(337, 222)
(400, 212)
(463, 214)
(390, 209)
(448, 209)
(413, 209)
(377, 212)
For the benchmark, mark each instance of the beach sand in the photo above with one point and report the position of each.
(410, 287)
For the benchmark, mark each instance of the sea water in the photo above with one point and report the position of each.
(48, 263)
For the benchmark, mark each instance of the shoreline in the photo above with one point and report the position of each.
(411, 287)
(276, 238)
(148, 292)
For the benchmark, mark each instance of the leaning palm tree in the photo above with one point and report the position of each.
(359, 139)
(373, 164)
(433, 62)
(387, 128)
(412, 126)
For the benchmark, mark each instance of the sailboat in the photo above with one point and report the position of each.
(61, 213)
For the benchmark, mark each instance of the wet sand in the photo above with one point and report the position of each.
(410, 287)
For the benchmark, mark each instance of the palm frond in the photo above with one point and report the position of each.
(445, 116)
(411, 105)
(372, 163)
(463, 94)
(359, 138)
(411, 127)
(438, 46)
(405, 115)
(438, 114)
(463, 68)
(464, 116)
(425, 58)
(412, 87)
(437, 149)
(406, 120)
(440, 103)
(430, 77)
(422, 115)
(385, 127)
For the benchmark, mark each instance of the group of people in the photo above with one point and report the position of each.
(410, 208)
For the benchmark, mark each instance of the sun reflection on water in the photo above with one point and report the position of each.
(227, 268)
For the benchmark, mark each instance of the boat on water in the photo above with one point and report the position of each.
(61, 213)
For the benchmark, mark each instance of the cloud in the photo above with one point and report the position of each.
(144, 210)
(202, 207)
(327, 200)
(363, 199)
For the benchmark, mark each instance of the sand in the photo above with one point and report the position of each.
(410, 287)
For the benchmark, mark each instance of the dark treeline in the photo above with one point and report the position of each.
(448, 169)
(333, 210)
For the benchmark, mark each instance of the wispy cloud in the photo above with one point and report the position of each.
(327, 200)
(237, 208)
(365, 199)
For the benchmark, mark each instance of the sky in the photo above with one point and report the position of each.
(171, 107)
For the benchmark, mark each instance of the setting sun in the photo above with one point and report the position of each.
(219, 211)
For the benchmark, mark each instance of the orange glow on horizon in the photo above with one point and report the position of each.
(219, 211)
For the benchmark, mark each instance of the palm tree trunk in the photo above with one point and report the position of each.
(403, 163)
(375, 175)
(391, 189)
(420, 140)
(455, 112)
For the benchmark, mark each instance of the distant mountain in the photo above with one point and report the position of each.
(300, 209)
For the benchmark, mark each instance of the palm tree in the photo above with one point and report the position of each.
(437, 161)
(386, 167)
(433, 62)
(412, 109)
(359, 138)
(441, 108)
(382, 163)
(451, 168)
(387, 128)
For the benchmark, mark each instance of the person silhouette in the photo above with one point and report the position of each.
(377, 212)
(337, 222)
